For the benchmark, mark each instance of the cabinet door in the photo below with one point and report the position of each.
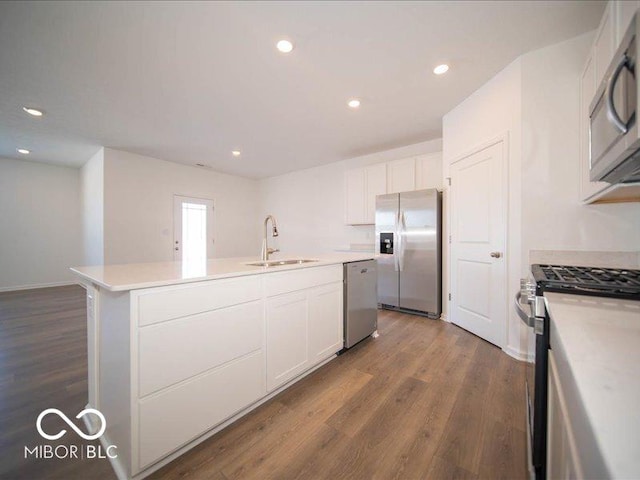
(287, 349)
(429, 171)
(563, 461)
(354, 196)
(401, 175)
(624, 10)
(604, 46)
(587, 92)
(376, 184)
(325, 321)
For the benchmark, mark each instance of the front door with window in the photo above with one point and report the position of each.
(193, 229)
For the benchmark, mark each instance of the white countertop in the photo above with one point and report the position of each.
(597, 341)
(133, 276)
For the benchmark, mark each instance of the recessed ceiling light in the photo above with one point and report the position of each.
(24, 151)
(199, 164)
(33, 111)
(354, 103)
(440, 69)
(235, 153)
(285, 46)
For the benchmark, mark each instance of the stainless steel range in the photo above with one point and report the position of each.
(590, 281)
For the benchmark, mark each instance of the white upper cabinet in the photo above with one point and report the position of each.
(429, 171)
(405, 175)
(605, 43)
(376, 184)
(401, 175)
(614, 23)
(624, 11)
(361, 187)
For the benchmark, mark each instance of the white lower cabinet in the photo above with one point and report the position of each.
(304, 327)
(287, 323)
(179, 414)
(563, 461)
(325, 321)
(191, 373)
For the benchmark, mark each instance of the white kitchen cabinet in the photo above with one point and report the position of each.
(194, 341)
(177, 415)
(325, 321)
(287, 323)
(375, 184)
(361, 187)
(171, 365)
(614, 23)
(624, 10)
(605, 42)
(304, 324)
(401, 175)
(563, 461)
(429, 171)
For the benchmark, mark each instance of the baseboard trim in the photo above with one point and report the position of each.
(518, 354)
(36, 285)
(443, 316)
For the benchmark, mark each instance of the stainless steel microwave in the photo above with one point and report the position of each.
(614, 141)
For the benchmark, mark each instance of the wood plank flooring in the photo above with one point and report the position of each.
(424, 400)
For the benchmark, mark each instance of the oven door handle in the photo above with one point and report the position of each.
(527, 318)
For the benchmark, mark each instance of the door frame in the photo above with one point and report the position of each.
(507, 256)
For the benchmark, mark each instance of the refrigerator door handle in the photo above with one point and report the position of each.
(402, 226)
(397, 243)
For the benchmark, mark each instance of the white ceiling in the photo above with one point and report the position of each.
(189, 82)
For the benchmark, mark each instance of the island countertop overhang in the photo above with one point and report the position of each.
(133, 276)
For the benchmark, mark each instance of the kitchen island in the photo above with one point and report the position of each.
(177, 351)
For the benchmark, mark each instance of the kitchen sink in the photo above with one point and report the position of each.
(279, 263)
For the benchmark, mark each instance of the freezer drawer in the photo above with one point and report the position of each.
(360, 301)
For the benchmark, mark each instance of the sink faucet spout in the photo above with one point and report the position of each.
(266, 251)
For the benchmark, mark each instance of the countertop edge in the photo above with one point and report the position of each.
(122, 287)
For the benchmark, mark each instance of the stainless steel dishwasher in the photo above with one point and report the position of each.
(360, 301)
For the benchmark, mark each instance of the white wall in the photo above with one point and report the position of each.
(550, 162)
(138, 215)
(309, 204)
(491, 112)
(40, 236)
(92, 205)
(535, 100)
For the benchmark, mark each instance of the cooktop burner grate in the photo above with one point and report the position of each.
(605, 282)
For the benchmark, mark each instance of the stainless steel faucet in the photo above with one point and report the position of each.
(266, 251)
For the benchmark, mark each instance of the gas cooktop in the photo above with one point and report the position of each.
(595, 281)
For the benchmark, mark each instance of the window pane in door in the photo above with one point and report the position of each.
(194, 232)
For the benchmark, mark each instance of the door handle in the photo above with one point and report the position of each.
(612, 114)
(496, 254)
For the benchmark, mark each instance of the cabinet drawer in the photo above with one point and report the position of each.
(177, 350)
(176, 416)
(159, 305)
(284, 282)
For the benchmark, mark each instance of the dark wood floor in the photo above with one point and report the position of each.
(424, 400)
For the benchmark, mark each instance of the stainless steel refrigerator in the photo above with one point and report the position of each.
(409, 248)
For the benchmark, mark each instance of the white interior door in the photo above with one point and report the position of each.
(193, 229)
(478, 233)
